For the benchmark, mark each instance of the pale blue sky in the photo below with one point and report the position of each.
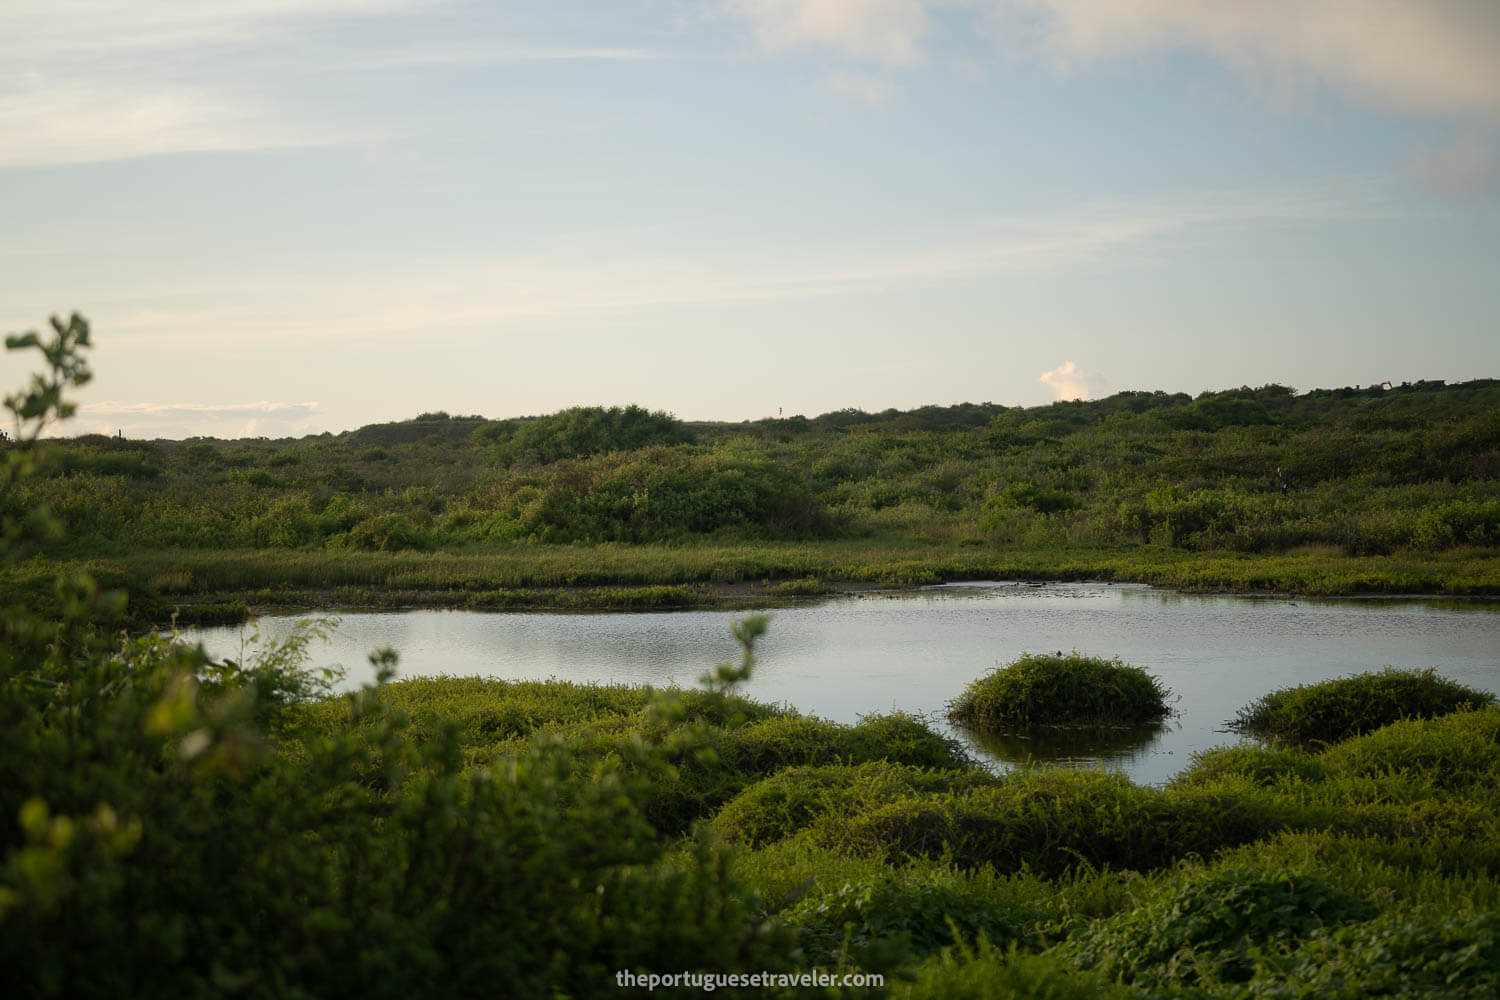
(290, 216)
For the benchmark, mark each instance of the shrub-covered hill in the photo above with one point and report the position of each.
(1243, 471)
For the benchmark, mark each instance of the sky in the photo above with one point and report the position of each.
(285, 217)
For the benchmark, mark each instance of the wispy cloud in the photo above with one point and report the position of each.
(1468, 168)
(1068, 381)
(455, 55)
(860, 87)
(1435, 57)
(263, 418)
(890, 32)
(90, 80)
(79, 123)
(51, 29)
(1431, 57)
(612, 276)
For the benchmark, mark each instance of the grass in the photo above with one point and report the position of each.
(721, 573)
(1330, 711)
(1061, 690)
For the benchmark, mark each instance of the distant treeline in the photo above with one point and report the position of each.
(1247, 470)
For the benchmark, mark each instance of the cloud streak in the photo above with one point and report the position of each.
(261, 418)
(1467, 169)
(614, 278)
(93, 81)
(1433, 57)
(890, 32)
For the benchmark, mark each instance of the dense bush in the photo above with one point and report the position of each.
(1051, 820)
(1455, 752)
(1460, 523)
(776, 807)
(1393, 955)
(893, 918)
(582, 431)
(988, 972)
(1311, 714)
(1260, 764)
(1039, 689)
(1209, 929)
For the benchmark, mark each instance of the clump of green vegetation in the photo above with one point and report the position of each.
(791, 799)
(871, 923)
(989, 972)
(1261, 765)
(1210, 928)
(1052, 820)
(1392, 955)
(1072, 690)
(1325, 713)
(1455, 752)
(807, 586)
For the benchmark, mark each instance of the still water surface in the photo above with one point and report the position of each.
(915, 650)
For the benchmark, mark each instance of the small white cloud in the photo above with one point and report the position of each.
(1068, 381)
(1469, 168)
(884, 31)
(859, 87)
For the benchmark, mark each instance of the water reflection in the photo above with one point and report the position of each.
(915, 651)
(1110, 746)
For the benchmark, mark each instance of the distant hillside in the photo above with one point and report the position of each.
(1242, 470)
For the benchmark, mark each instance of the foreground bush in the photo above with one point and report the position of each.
(1206, 931)
(889, 919)
(789, 801)
(1313, 714)
(1061, 690)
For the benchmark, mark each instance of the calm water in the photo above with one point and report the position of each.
(916, 650)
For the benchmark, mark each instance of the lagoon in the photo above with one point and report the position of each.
(915, 650)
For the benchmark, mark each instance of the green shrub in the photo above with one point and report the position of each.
(1444, 959)
(387, 533)
(1208, 930)
(1324, 713)
(789, 800)
(582, 431)
(223, 613)
(1455, 752)
(1459, 523)
(989, 973)
(1040, 689)
(1030, 496)
(771, 744)
(878, 923)
(1050, 820)
(1262, 765)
